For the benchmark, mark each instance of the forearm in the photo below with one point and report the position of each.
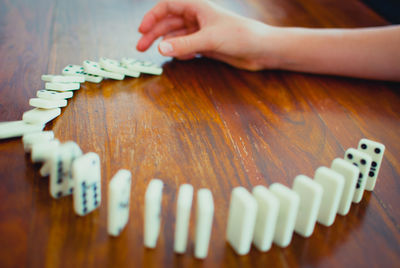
(366, 53)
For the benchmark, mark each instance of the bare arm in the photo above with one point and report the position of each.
(372, 53)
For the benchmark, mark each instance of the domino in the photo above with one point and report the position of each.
(119, 195)
(40, 116)
(241, 220)
(267, 215)
(204, 219)
(41, 151)
(363, 162)
(288, 208)
(12, 129)
(63, 78)
(62, 86)
(310, 193)
(54, 95)
(77, 70)
(146, 67)
(332, 183)
(116, 67)
(152, 217)
(87, 183)
(375, 150)
(47, 104)
(92, 67)
(45, 169)
(350, 173)
(184, 205)
(61, 159)
(31, 138)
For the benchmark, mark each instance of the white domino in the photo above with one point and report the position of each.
(116, 67)
(54, 95)
(204, 219)
(12, 129)
(241, 220)
(63, 78)
(152, 217)
(92, 67)
(183, 207)
(40, 116)
(288, 208)
(350, 173)
(146, 67)
(47, 104)
(61, 159)
(45, 169)
(310, 193)
(62, 86)
(375, 150)
(363, 162)
(31, 138)
(41, 151)
(86, 174)
(119, 195)
(267, 215)
(332, 183)
(77, 70)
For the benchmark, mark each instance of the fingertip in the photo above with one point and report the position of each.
(140, 29)
(140, 46)
(147, 23)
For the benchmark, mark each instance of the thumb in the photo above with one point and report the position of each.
(183, 45)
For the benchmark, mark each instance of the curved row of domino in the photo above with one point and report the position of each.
(262, 217)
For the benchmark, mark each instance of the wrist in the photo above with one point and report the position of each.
(273, 47)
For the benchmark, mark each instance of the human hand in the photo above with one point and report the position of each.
(191, 27)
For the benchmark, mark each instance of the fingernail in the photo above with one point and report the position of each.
(166, 48)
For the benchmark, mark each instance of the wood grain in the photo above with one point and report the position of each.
(201, 122)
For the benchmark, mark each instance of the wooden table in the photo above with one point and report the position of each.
(202, 122)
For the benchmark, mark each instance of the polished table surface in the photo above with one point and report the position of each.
(201, 122)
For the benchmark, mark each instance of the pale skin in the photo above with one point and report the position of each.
(190, 28)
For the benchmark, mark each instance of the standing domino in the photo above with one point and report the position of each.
(375, 150)
(12, 129)
(204, 219)
(77, 70)
(152, 217)
(332, 183)
(119, 195)
(87, 189)
(94, 68)
(363, 162)
(288, 208)
(47, 104)
(116, 67)
(41, 151)
(241, 220)
(40, 116)
(61, 159)
(310, 193)
(63, 78)
(267, 215)
(45, 169)
(29, 139)
(184, 205)
(146, 67)
(350, 173)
